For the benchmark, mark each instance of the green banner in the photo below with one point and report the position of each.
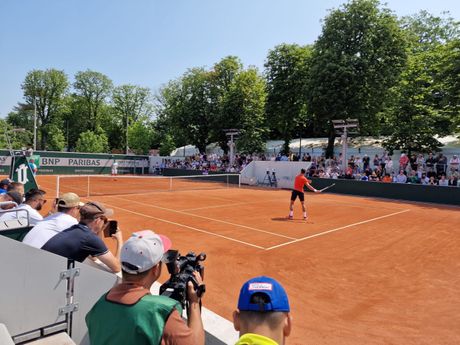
(22, 172)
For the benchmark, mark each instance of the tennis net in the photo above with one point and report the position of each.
(92, 185)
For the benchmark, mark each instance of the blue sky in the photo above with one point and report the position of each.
(149, 42)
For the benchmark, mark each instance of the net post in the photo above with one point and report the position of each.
(228, 181)
(87, 193)
(170, 183)
(239, 180)
(57, 185)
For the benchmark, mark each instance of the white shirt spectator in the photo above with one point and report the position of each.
(454, 163)
(34, 216)
(443, 181)
(401, 178)
(389, 165)
(47, 228)
(425, 180)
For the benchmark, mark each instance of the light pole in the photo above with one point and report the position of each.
(232, 133)
(127, 130)
(35, 123)
(342, 127)
(301, 126)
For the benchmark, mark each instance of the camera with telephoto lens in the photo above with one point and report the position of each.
(181, 269)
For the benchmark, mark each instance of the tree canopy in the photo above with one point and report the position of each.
(400, 77)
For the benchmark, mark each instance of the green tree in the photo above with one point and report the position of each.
(422, 106)
(412, 115)
(18, 138)
(47, 89)
(22, 116)
(94, 142)
(449, 76)
(245, 99)
(286, 71)
(56, 139)
(132, 105)
(92, 90)
(222, 114)
(140, 137)
(186, 108)
(356, 60)
(167, 145)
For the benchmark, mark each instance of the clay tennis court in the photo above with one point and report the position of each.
(359, 271)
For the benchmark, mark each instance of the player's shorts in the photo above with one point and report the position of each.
(295, 194)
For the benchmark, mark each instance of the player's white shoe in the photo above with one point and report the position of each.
(290, 217)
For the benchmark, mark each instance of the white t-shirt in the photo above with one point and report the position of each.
(34, 216)
(47, 228)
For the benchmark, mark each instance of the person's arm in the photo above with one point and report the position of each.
(119, 238)
(194, 312)
(110, 261)
(313, 189)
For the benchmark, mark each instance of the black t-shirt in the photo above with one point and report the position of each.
(76, 243)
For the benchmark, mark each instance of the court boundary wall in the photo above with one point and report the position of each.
(255, 172)
(398, 191)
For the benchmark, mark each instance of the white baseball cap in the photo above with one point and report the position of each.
(142, 251)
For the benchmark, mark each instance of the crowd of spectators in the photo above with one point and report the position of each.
(209, 163)
(431, 169)
(415, 169)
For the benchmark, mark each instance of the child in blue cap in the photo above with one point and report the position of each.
(263, 314)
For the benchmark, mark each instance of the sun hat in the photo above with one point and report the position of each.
(69, 200)
(94, 209)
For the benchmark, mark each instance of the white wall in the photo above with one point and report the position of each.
(285, 172)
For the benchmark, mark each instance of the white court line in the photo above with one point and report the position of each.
(203, 217)
(186, 226)
(336, 229)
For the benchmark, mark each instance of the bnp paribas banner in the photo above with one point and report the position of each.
(22, 172)
(74, 163)
(89, 165)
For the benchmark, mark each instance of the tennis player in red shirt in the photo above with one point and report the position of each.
(299, 182)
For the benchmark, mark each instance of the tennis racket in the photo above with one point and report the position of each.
(326, 188)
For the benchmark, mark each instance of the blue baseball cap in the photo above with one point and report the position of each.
(265, 285)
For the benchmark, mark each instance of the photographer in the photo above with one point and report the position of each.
(130, 314)
(82, 240)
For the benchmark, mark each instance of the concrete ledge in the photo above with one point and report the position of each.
(5, 337)
(55, 339)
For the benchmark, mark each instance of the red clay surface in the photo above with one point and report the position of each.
(359, 271)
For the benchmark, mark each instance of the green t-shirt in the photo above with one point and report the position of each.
(111, 323)
(255, 339)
